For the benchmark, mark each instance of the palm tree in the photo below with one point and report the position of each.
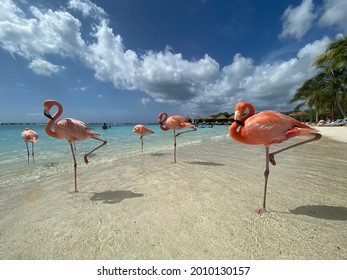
(336, 84)
(335, 56)
(334, 63)
(312, 94)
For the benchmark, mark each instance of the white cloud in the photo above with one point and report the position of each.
(313, 49)
(297, 21)
(9, 11)
(34, 114)
(165, 76)
(108, 58)
(99, 95)
(79, 89)
(43, 67)
(87, 8)
(269, 86)
(39, 33)
(145, 100)
(334, 14)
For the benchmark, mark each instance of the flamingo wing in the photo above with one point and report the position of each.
(178, 122)
(74, 130)
(30, 135)
(142, 130)
(269, 127)
(137, 129)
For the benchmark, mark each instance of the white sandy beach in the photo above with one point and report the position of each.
(334, 132)
(202, 207)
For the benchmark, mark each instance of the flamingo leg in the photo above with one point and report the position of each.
(104, 142)
(262, 210)
(176, 135)
(141, 143)
(26, 143)
(193, 129)
(32, 151)
(75, 166)
(270, 158)
(317, 136)
(175, 144)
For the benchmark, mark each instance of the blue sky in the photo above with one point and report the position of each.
(127, 61)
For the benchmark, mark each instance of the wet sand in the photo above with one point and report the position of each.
(202, 207)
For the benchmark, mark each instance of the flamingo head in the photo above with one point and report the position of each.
(237, 118)
(48, 104)
(47, 113)
(240, 110)
(237, 115)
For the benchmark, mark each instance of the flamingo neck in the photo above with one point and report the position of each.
(48, 127)
(162, 119)
(249, 114)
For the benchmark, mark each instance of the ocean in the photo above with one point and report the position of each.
(53, 156)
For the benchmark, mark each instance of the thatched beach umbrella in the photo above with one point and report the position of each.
(298, 114)
(197, 119)
(222, 118)
(209, 119)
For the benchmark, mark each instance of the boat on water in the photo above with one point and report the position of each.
(206, 126)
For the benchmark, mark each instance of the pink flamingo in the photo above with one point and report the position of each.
(143, 131)
(70, 129)
(267, 128)
(29, 135)
(174, 123)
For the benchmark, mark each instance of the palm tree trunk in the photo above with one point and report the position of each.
(317, 115)
(338, 101)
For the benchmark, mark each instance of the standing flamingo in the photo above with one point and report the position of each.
(29, 135)
(174, 123)
(143, 131)
(70, 129)
(267, 128)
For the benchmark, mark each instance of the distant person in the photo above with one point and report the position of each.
(330, 118)
(104, 126)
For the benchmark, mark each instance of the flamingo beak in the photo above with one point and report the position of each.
(237, 115)
(46, 113)
(237, 119)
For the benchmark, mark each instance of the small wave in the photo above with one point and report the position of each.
(219, 137)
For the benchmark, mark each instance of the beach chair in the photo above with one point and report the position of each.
(338, 122)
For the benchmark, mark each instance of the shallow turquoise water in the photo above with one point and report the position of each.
(53, 156)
